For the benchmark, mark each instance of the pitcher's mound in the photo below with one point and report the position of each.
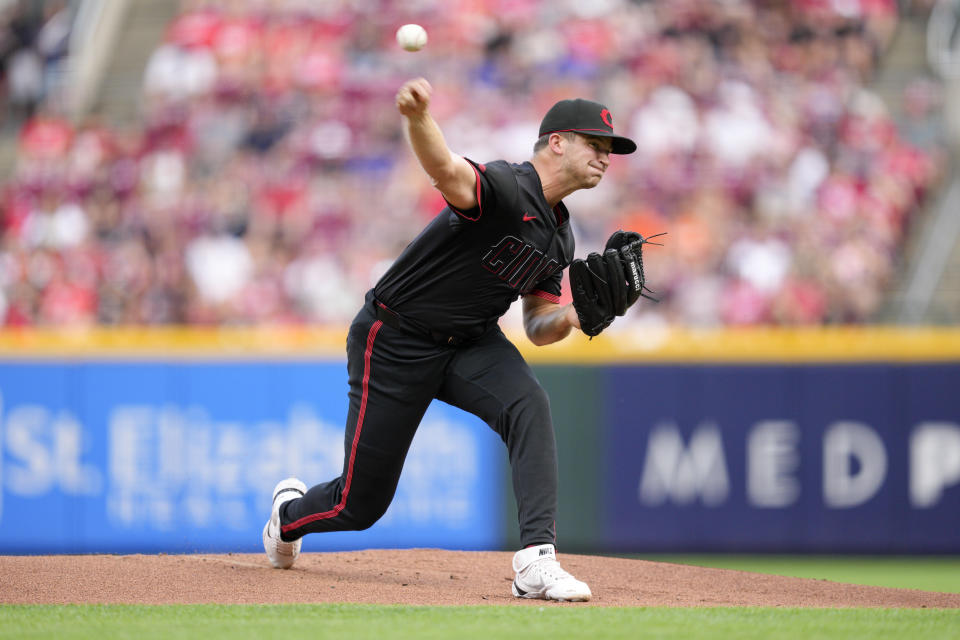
(415, 577)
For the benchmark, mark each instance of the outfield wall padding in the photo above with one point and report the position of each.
(839, 440)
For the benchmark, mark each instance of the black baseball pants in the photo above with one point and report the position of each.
(394, 375)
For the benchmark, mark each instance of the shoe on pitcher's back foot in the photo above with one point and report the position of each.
(282, 554)
(539, 575)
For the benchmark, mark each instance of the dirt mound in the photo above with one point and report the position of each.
(415, 577)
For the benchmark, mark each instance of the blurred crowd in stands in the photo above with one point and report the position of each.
(268, 181)
(33, 49)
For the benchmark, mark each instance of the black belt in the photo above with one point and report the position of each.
(393, 319)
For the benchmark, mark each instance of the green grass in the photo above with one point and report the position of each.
(930, 573)
(553, 621)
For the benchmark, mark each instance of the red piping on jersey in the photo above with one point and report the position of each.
(479, 206)
(371, 336)
(546, 296)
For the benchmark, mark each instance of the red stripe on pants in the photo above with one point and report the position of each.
(371, 336)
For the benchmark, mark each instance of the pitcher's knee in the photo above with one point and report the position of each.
(532, 399)
(527, 413)
(361, 524)
(364, 516)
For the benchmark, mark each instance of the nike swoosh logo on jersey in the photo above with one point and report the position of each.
(527, 217)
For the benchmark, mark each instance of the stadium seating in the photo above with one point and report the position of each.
(267, 181)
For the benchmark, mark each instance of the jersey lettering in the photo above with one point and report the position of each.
(507, 249)
(539, 275)
(519, 264)
(524, 268)
(504, 273)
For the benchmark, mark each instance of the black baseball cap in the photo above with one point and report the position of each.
(586, 117)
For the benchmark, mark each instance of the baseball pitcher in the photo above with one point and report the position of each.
(429, 330)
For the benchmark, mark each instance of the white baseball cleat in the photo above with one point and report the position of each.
(282, 554)
(539, 575)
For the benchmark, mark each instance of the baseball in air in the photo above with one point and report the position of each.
(412, 37)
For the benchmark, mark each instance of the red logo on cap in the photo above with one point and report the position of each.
(607, 118)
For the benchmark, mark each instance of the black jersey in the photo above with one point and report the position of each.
(466, 268)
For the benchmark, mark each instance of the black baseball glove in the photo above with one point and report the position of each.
(605, 286)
